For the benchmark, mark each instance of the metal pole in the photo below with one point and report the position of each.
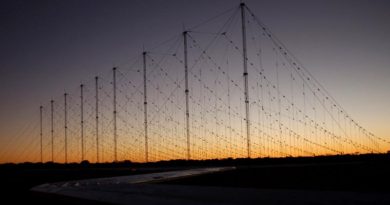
(186, 93)
(52, 130)
(82, 120)
(115, 112)
(97, 116)
(41, 131)
(246, 92)
(66, 127)
(145, 110)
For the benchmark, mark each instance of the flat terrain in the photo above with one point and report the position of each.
(18, 180)
(352, 176)
(355, 175)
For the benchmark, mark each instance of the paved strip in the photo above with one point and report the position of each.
(136, 189)
(197, 195)
(132, 179)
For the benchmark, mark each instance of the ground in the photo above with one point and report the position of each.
(353, 179)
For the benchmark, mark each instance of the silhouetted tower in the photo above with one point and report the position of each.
(115, 113)
(82, 120)
(245, 74)
(66, 126)
(186, 93)
(41, 130)
(52, 129)
(97, 116)
(145, 110)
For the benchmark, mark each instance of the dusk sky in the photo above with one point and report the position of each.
(49, 47)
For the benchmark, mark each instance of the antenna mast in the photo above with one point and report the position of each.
(41, 131)
(245, 74)
(145, 110)
(82, 120)
(97, 116)
(52, 130)
(115, 112)
(66, 127)
(186, 93)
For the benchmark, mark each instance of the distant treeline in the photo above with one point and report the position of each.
(211, 162)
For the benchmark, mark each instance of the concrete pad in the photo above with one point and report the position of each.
(132, 179)
(136, 190)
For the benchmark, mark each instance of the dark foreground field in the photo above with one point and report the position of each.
(353, 176)
(17, 181)
(360, 174)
